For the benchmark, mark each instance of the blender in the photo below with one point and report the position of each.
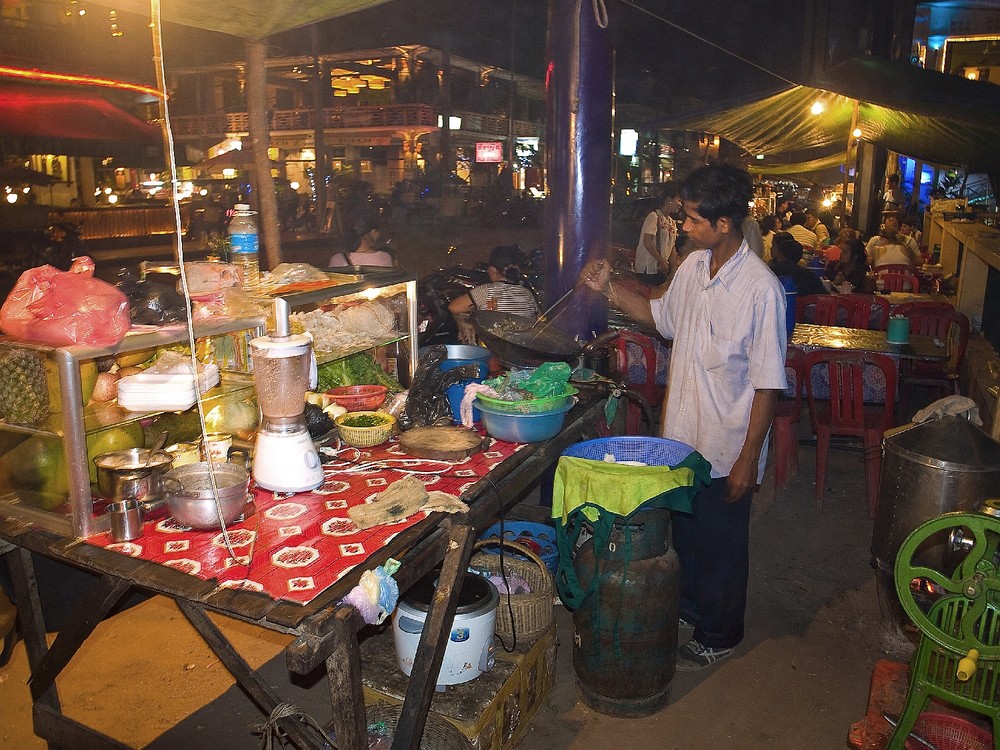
(284, 368)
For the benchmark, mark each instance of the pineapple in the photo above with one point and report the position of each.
(24, 394)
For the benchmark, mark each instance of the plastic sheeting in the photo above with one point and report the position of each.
(928, 115)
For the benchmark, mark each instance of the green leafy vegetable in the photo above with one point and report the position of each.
(358, 369)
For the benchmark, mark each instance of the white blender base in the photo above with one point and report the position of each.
(286, 463)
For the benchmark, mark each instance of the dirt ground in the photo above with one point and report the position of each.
(798, 681)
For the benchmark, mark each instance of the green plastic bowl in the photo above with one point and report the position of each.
(528, 406)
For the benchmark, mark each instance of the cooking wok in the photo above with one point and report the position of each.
(518, 343)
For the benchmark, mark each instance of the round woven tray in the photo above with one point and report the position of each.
(525, 615)
(439, 734)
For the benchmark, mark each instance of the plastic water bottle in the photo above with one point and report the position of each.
(245, 245)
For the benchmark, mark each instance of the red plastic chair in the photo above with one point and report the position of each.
(846, 412)
(899, 282)
(874, 312)
(649, 390)
(784, 428)
(905, 308)
(894, 268)
(948, 325)
(828, 310)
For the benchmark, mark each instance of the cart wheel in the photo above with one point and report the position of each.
(964, 547)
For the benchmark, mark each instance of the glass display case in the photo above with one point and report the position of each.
(52, 428)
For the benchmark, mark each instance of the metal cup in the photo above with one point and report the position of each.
(126, 518)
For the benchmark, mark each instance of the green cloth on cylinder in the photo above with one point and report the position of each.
(603, 493)
(593, 486)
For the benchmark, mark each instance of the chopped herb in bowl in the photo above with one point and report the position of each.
(362, 420)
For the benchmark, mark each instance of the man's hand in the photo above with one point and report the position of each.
(741, 479)
(596, 274)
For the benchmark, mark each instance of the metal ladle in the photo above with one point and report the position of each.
(157, 447)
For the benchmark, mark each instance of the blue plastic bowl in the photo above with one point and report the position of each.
(524, 428)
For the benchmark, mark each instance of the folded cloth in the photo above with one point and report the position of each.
(444, 502)
(957, 406)
(400, 500)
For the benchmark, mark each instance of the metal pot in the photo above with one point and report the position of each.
(137, 472)
(192, 501)
(929, 469)
(517, 345)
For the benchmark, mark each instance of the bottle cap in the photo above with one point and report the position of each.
(242, 206)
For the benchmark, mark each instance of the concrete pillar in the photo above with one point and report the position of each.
(578, 154)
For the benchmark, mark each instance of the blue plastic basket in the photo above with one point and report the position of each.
(648, 450)
(517, 531)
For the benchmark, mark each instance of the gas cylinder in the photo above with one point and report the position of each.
(625, 631)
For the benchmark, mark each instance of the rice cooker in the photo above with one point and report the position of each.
(469, 652)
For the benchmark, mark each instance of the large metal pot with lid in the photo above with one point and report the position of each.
(928, 469)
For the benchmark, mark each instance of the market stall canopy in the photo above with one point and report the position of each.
(37, 119)
(928, 115)
(250, 19)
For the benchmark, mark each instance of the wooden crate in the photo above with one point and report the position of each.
(494, 710)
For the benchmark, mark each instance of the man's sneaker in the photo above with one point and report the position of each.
(682, 624)
(693, 656)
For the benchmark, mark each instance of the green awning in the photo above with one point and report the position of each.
(924, 114)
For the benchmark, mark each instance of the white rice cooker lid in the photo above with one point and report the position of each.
(477, 596)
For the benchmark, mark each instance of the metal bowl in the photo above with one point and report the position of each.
(192, 501)
(136, 472)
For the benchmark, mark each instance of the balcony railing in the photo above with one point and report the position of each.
(392, 117)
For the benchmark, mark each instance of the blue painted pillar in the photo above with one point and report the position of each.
(578, 150)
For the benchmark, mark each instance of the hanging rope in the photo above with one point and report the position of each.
(702, 39)
(600, 13)
(272, 731)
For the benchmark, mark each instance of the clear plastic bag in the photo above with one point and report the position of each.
(61, 308)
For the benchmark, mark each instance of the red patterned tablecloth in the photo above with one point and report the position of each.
(296, 545)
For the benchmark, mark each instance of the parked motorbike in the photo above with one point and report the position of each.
(57, 246)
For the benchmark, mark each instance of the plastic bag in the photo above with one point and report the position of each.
(61, 308)
(294, 273)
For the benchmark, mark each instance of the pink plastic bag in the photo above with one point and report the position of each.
(65, 307)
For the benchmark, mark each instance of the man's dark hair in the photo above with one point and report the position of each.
(790, 249)
(799, 217)
(720, 190)
(768, 224)
(507, 260)
(893, 179)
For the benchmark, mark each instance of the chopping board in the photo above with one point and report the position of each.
(442, 443)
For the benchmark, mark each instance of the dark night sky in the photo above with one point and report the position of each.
(657, 65)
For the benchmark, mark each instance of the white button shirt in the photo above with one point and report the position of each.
(729, 340)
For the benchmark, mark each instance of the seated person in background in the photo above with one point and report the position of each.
(893, 222)
(908, 230)
(888, 250)
(852, 266)
(797, 229)
(367, 252)
(769, 226)
(502, 293)
(785, 256)
(814, 225)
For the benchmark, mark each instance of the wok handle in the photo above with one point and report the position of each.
(603, 340)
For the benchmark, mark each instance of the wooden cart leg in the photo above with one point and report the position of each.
(433, 640)
(29, 607)
(259, 691)
(343, 669)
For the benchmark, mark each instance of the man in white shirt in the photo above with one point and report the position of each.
(658, 238)
(798, 230)
(891, 226)
(725, 311)
(817, 227)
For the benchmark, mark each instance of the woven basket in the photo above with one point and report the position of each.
(528, 615)
(439, 734)
(365, 437)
